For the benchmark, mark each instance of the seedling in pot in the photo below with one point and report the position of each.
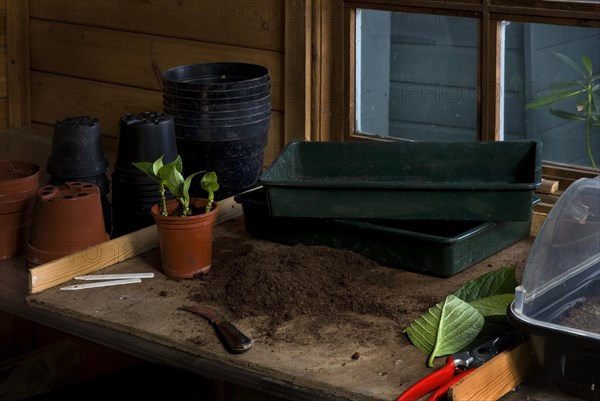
(170, 176)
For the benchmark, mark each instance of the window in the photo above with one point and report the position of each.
(543, 61)
(465, 71)
(424, 88)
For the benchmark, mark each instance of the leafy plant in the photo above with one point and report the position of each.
(170, 176)
(587, 89)
(453, 324)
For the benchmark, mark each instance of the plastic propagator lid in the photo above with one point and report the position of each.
(564, 264)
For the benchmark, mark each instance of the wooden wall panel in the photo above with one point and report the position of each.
(17, 62)
(105, 58)
(3, 74)
(133, 59)
(54, 97)
(255, 24)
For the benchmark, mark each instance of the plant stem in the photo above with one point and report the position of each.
(588, 124)
(163, 200)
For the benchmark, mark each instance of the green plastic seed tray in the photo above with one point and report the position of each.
(477, 181)
(436, 248)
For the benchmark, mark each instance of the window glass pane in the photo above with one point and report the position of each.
(416, 75)
(544, 62)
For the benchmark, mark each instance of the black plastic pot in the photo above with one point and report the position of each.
(203, 106)
(222, 133)
(250, 91)
(77, 149)
(222, 122)
(177, 112)
(215, 76)
(238, 163)
(226, 149)
(195, 102)
(145, 137)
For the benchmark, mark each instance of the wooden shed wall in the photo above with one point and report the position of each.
(105, 58)
(3, 78)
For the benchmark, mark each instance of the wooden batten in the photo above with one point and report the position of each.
(506, 370)
(109, 253)
(90, 260)
(548, 186)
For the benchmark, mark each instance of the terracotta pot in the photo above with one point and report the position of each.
(66, 219)
(185, 242)
(19, 181)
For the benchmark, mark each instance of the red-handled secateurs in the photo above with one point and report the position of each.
(458, 366)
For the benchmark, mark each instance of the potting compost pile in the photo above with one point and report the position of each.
(329, 286)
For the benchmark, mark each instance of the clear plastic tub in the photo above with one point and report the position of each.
(558, 301)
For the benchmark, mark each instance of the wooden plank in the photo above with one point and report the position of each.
(548, 186)
(548, 198)
(229, 209)
(3, 64)
(257, 24)
(55, 97)
(537, 220)
(138, 60)
(17, 51)
(87, 261)
(297, 70)
(543, 207)
(496, 377)
(110, 252)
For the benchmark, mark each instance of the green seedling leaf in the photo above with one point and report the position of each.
(553, 98)
(565, 86)
(446, 328)
(496, 282)
(146, 167)
(157, 165)
(570, 62)
(173, 179)
(209, 182)
(187, 183)
(178, 163)
(567, 115)
(150, 169)
(494, 307)
(587, 63)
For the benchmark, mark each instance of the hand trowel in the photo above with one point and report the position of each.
(231, 336)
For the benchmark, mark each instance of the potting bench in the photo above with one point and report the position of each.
(136, 324)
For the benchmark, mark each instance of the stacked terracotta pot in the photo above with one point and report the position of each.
(78, 155)
(66, 219)
(19, 181)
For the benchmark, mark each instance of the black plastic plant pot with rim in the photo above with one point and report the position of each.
(215, 76)
(77, 148)
(558, 302)
(145, 136)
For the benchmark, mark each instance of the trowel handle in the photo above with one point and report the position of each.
(232, 337)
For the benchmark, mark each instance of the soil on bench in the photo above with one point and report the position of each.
(325, 286)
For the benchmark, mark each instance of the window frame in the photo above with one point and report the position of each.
(333, 97)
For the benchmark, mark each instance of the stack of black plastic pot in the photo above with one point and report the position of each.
(222, 117)
(78, 155)
(143, 137)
